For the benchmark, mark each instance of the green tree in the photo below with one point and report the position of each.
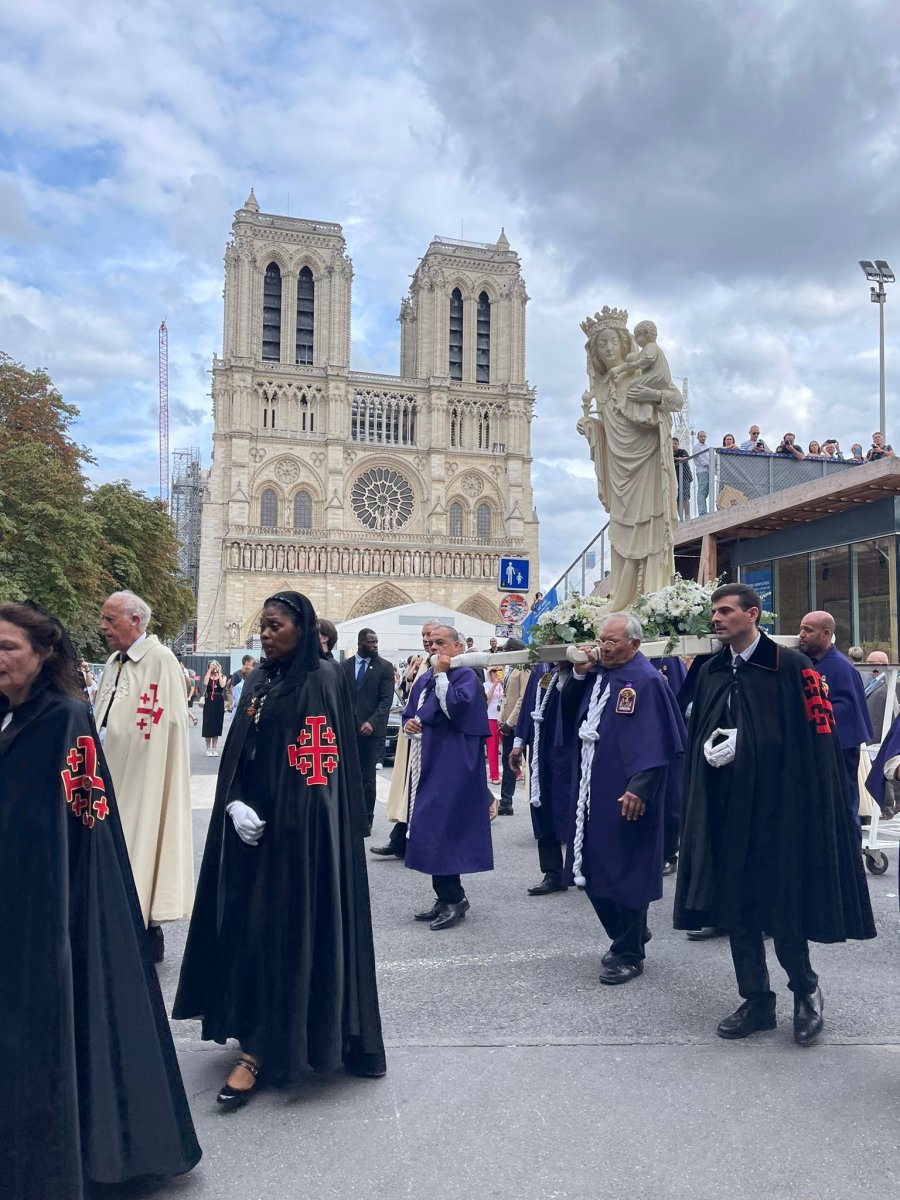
(63, 544)
(140, 553)
(48, 544)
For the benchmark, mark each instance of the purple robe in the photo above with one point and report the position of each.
(622, 860)
(450, 825)
(847, 695)
(673, 671)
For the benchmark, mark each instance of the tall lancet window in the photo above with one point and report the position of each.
(456, 520)
(483, 340)
(268, 509)
(483, 522)
(456, 334)
(303, 511)
(271, 330)
(306, 303)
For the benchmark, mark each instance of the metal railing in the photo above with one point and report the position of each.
(733, 477)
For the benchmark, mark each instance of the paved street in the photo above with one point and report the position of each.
(512, 1073)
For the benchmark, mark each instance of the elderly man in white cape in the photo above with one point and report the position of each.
(398, 797)
(142, 716)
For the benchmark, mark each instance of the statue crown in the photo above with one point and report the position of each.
(607, 318)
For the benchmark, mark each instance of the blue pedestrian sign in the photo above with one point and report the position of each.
(513, 575)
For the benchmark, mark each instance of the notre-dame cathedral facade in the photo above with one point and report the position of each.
(363, 491)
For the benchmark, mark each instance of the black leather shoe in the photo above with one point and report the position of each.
(548, 885)
(432, 913)
(232, 1097)
(156, 942)
(808, 1019)
(619, 972)
(670, 866)
(751, 1017)
(609, 957)
(707, 932)
(452, 915)
(387, 851)
(505, 810)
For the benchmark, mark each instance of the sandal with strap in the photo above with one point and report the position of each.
(231, 1097)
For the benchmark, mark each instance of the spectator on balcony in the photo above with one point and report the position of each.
(760, 448)
(702, 456)
(832, 449)
(787, 445)
(683, 479)
(750, 444)
(728, 442)
(856, 451)
(878, 449)
(815, 450)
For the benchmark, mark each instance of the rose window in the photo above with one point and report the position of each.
(382, 499)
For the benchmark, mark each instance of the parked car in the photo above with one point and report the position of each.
(393, 728)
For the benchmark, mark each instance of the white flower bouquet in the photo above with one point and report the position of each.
(577, 619)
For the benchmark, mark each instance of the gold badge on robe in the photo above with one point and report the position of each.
(627, 700)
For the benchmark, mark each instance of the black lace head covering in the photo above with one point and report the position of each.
(306, 656)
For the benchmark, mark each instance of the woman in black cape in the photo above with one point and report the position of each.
(279, 954)
(92, 1088)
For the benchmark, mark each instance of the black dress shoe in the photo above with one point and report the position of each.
(707, 932)
(619, 972)
(548, 885)
(452, 915)
(609, 957)
(387, 851)
(432, 913)
(751, 1017)
(808, 1019)
(232, 1097)
(505, 810)
(156, 942)
(670, 866)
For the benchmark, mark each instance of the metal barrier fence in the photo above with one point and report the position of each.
(732, 477)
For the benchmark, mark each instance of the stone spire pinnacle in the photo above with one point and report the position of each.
(502, 243)
(251, 202)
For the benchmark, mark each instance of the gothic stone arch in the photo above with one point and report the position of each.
(385, 595)
(481, 607)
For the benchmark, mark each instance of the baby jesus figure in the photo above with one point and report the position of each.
(651, 363)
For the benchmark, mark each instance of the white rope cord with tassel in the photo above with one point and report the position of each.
(415, 766)
(589, 735)
(538, 717)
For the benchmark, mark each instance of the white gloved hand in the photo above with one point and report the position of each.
(247, 824)
(720, 747)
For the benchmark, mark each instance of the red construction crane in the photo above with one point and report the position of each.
(164, 414)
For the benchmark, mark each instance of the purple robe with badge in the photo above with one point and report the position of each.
(449, 821)
(847, 696)
(673, 671)
(640, 730)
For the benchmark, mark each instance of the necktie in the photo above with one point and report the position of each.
(732, 705)
(360, 671)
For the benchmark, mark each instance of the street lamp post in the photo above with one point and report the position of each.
(879, 273)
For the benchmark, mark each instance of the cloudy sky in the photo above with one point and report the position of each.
(717, 167)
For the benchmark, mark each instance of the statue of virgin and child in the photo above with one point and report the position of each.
(629, 433)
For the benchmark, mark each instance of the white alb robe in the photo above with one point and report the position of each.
(146, 746)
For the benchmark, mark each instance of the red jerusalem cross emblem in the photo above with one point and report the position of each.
(149, 710)
(81, 781)
(315, 751)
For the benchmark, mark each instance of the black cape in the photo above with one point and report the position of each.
(774, 828)
(279, 953)
(92, 1092)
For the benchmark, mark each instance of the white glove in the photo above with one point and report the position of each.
(723, 751)
(247, 824)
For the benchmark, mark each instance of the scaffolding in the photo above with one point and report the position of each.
(186, 502)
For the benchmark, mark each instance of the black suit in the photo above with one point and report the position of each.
(372, 699)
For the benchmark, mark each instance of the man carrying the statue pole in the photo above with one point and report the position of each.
(632, 739)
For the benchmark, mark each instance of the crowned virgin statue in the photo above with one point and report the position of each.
(629, 433)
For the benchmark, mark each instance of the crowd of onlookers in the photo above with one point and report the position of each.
(694, 465)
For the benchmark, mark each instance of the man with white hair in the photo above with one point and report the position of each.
(142, 717)
(632, 739)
